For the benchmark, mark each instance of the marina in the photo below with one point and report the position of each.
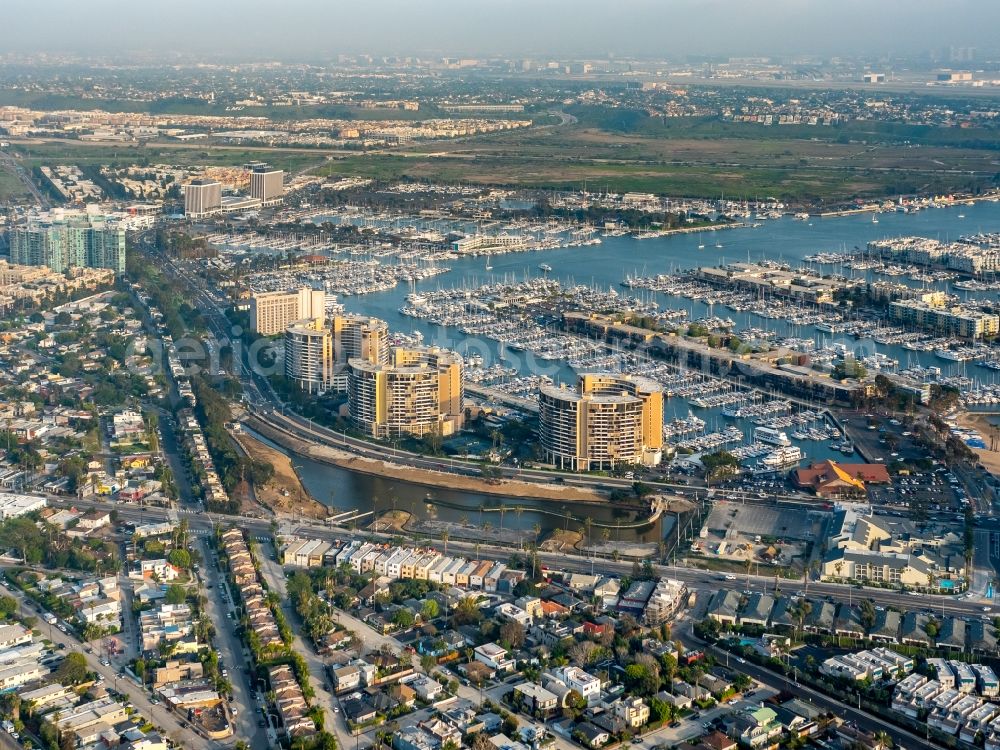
(514, 346)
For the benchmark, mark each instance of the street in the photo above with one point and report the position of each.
(231, 654)
(204, 522)
(158, 714)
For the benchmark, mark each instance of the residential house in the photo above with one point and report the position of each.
(535, 700)
(632, 711)
(493, 656)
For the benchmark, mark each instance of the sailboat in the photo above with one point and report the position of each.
(489, 265)
(874, 219)
(701, 246)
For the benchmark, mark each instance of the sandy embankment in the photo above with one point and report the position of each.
(980, 423)
(284, 493)
(427, 477)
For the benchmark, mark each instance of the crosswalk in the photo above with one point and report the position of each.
(209, 532)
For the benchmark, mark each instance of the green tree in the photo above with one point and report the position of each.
(176, 594)
(180, 558)
(403, 617)
(72, 670)
(8, 606)
(429, 610)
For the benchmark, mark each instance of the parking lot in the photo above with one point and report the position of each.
(936, 492)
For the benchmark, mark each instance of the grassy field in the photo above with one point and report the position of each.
(80, 152)
(623, 151)
(817, 183)
(11, 188)
(692, 160)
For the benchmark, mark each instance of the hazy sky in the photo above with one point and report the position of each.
(264, 29)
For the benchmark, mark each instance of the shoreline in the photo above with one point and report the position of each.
(426, 477)
(284, 493)
(979, 421)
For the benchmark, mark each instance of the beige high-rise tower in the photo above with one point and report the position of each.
(417, 393)
(272, 312)
(608, 419)
(309, 355)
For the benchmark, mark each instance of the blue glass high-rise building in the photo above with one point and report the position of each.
(63, 240)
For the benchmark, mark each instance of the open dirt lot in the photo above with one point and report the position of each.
(284, 493)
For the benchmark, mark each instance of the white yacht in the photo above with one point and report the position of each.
(771, 436)
(781, 458)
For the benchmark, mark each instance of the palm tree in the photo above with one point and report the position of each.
(537, 528)
(444, 538)
(588, 524)
(802, 610)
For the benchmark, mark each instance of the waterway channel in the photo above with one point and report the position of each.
(606, 265)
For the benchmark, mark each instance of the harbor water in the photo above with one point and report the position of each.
(607, 265)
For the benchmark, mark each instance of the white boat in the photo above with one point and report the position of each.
(489, 265)
(874, 219)
(771, 436)
(545, 267)
(949, 354)
(701, 247)
(781, 458)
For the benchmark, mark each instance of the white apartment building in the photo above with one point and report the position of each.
(272, 312)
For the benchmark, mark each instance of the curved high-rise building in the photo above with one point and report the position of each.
(360, 337)
(308, 355)
(419, 392)
(607, 420)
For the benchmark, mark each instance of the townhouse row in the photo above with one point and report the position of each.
(950, 703)
(819, 616)
(258, 612)
(403, 563)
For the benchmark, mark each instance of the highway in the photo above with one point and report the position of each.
(203, 523)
